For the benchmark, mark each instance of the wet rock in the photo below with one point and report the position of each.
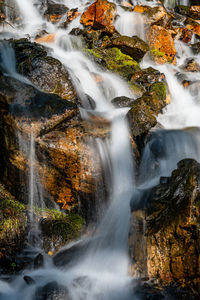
(100, 14)
(55, 11)
(114, 60)
(29, 280)
(195, 12)
(193, 25)
(142, 115)
(184, 34)
(57, 229)
(67, 256)
(132, 46)
(52, 291)
(144, 78)
(191, 65)
(196, 48)
(172, 229)
(44, 71)
(123, 102)
(38, 261)
(161, 45)
(182, 10)
(72, 14)
(13, 224)
(153, 15)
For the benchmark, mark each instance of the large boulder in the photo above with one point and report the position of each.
(99, 15)
(161, 45)
(44, 71)
(171, 221)
(55, 11)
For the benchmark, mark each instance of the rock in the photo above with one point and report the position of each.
(153, 15)
(99, 15)
(57, 229)
(184, 34)
(72, 14)
(182, 10)
(195, 12)
(191, 65)
(144, 78)
(13, 224)
(196, 48)
(132, 46)
(55, 11)
(172, 229)
(47, 38)
(67, 256)
(114, 60)
(193, 25)
(161, 45)
(29, 280)
(38, 261)
(142, 116)
(123, 101)
(34, 63)
(52, 291)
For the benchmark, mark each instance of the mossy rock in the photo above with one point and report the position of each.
(114, 60)
(58, 228)
(160, 89)
(13, 229)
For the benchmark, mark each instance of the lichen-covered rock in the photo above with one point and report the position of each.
(172, 229)
(161, 45)
(196, 48)
(132, 46)
(184, 34)
(46, 72)
(13, 229)
(145, 109)
(114, 60)
(100, 14)
(195, 12)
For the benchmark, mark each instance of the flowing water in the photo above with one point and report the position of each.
(101, 272)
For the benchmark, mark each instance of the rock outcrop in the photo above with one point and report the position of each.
(171, 229)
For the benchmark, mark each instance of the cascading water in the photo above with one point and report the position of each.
(101, 272)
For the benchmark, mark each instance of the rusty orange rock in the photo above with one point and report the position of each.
(48, 38)
(193, 25)
(151, 14)
(161, 45)
(99, 15)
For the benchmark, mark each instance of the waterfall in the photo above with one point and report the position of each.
(101, 272)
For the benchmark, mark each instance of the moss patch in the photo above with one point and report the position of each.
(58, 228)
(114, 60)
(160, 89)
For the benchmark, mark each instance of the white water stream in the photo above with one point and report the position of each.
(103, 269)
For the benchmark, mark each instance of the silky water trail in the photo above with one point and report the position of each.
(104, 267)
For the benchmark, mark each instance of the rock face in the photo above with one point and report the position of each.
(99, 15)
(172, 228)
(44, 71)
(55, 12)
(161, 45)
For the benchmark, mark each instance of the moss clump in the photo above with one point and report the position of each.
(157, 53)
(58, 228)
(160, 89)
(114, 60)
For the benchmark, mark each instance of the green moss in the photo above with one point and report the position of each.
(114, 60)
(60, 225)
(157, 53)
(12, 217)
(160, 89)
